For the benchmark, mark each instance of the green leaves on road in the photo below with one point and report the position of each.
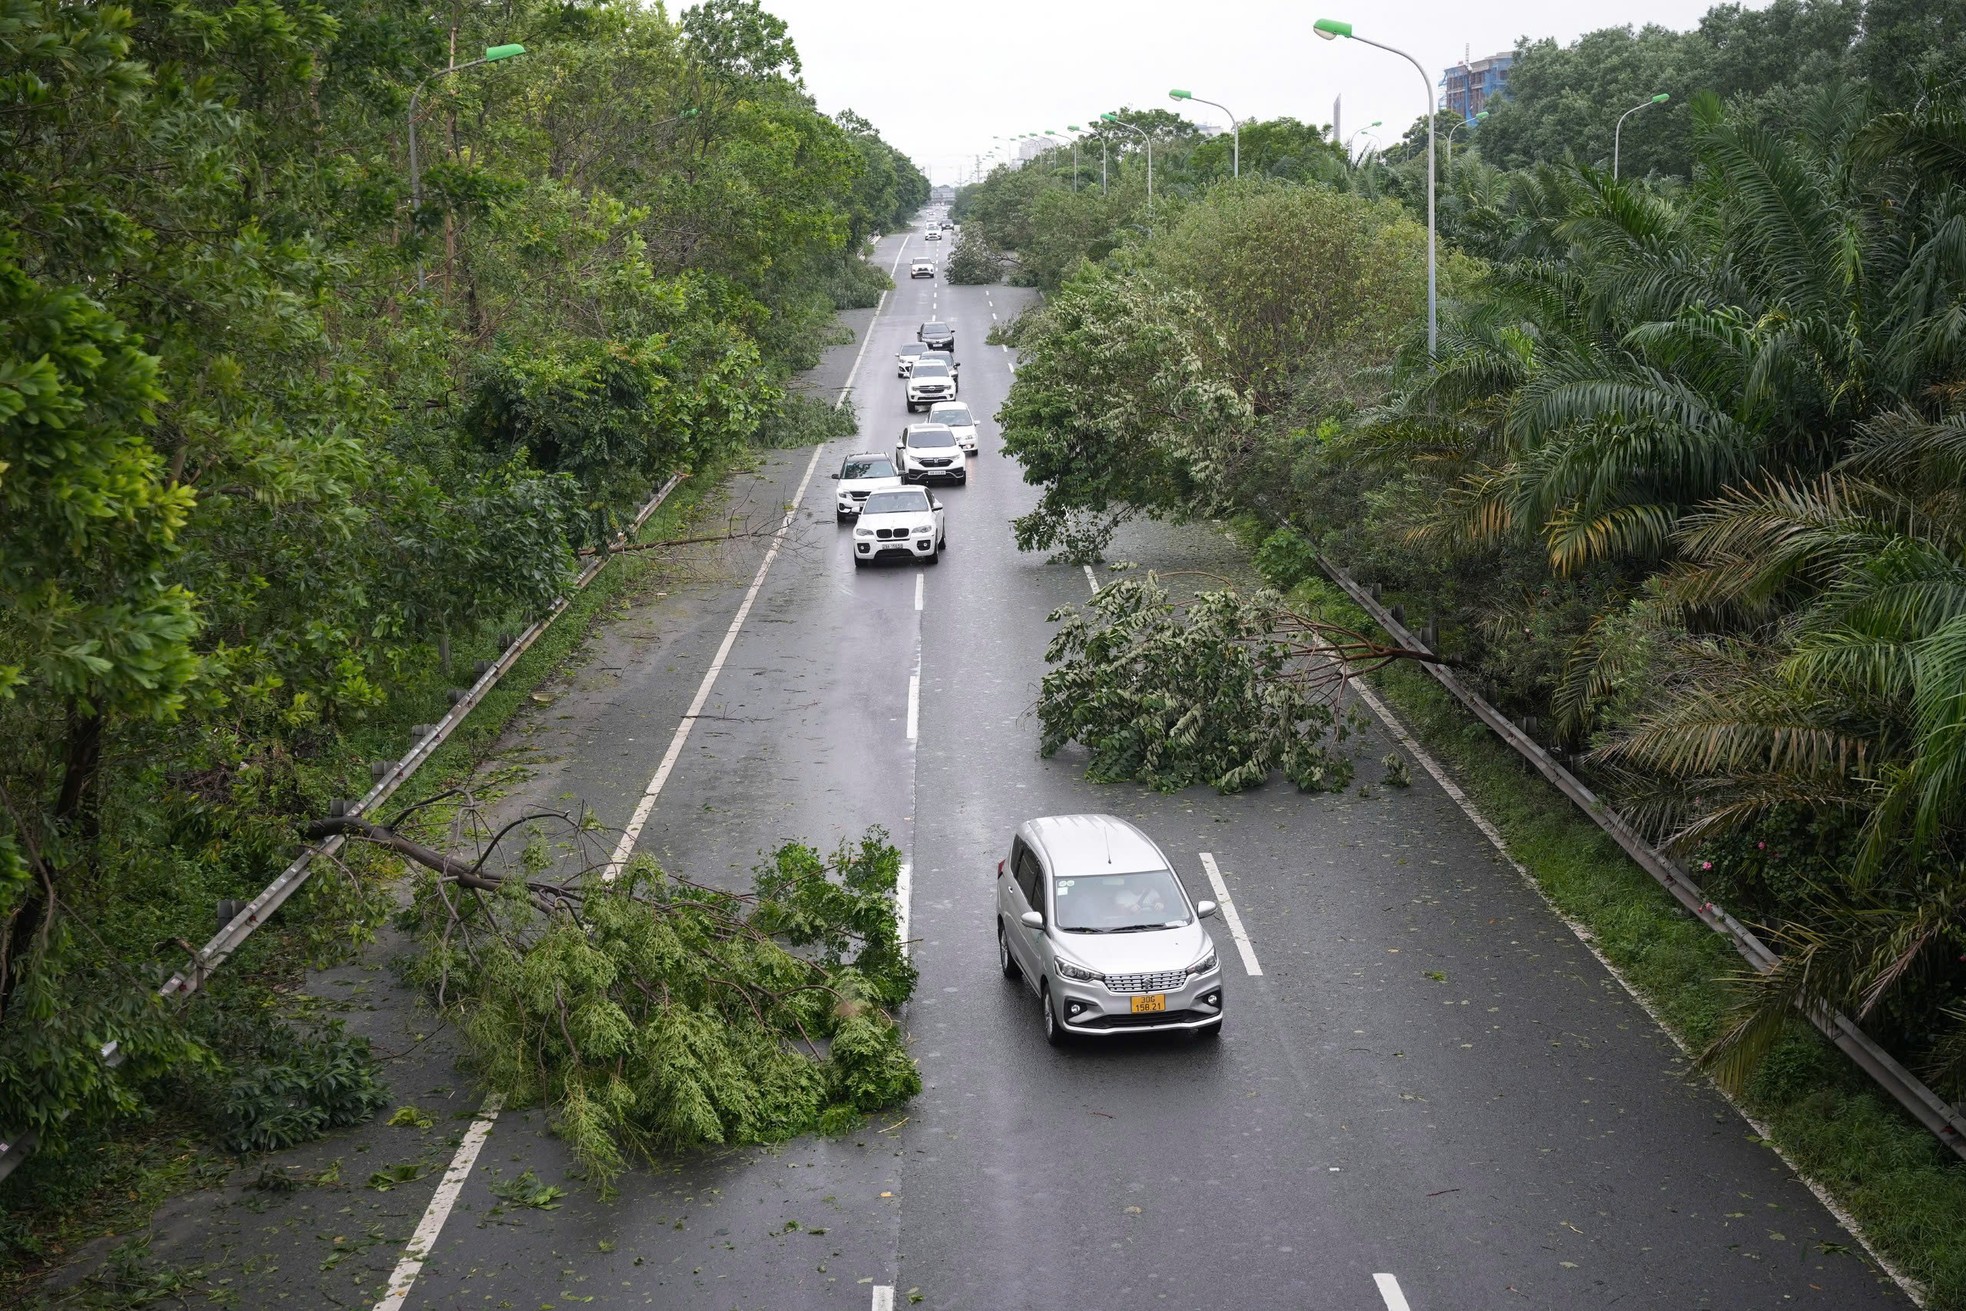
(654, 1013)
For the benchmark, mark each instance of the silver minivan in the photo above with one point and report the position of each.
(1093, 918)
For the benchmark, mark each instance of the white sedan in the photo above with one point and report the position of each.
(956, 416)
(906, 521)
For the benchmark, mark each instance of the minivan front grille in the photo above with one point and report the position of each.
(1166, 982)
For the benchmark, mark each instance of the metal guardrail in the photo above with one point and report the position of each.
(255, 913)
(1933, 1111)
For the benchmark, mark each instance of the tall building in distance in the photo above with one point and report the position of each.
(1467, 87)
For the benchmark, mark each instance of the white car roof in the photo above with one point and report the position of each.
(1092, 844)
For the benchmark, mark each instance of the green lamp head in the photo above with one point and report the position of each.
(495, 53)
(1180, 95)
(1661, 98)
(1331, 29)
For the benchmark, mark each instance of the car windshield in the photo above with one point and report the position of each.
(956, 416)
(920, 437)
(929, 367)
(1119, 903)
(935, 329)
(906, 500)
(914, 348)
(874, 468)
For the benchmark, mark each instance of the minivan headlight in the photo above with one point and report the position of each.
(1205, 964)
(1079, 972)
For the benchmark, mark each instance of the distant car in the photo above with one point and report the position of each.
(933, 234)
(960, 421)
(921, 268)
(1094, 919)
(929, 381)
(904, 521)
(937, 336)
(860, 476)
(927, 452)
(905, 358)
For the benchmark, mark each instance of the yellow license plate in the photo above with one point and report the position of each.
(1153, 1001)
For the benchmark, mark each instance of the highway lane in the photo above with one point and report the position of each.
(1430, 1082)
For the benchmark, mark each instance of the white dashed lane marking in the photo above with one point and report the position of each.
(1243, 945)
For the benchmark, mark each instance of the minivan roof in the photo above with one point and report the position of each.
(1089, 844)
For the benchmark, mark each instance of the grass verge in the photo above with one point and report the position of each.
(1906, 1190)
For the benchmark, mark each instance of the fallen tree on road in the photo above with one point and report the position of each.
(1222, 691)
(650, 1013)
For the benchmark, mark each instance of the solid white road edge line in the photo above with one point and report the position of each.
(884, 1297)
(904, 886)
(403, 1277)
(1243, 946)
(1913, 1289)
(1389, 1290)
(868, 335)
(624, 848)
(1091, 578)
(915, 700)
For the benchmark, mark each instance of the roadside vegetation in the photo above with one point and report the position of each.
(1677, 489)
(283, 447)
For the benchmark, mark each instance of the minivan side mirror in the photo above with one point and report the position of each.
(1032, 919)
(1204, 909)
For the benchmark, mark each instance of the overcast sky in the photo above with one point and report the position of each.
(940, 79)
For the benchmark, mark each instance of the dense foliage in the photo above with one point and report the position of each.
(653, 1013)
(1680, 481)
(274, 438)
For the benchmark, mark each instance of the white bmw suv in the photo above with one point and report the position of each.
(906, 521)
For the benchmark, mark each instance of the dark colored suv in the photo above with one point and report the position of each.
(937, 336)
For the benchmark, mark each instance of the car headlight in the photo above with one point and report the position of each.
(1080, 973)
(1205, 964)
(863, 532)
(924, 532)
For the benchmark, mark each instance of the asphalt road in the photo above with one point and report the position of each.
(1432, 1095)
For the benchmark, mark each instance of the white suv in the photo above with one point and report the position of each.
(927, 452)
(904, 521)
(931, 380)
(921, 267)
(961, 422)
(859, 476)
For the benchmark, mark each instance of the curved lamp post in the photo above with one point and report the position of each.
(1150, 154)
(1099, 131)
(1331, 29)
(1235, 125)
(1366, 130)
(1076, 132)
(493, 55)
(1476, 120)
(1659, 99)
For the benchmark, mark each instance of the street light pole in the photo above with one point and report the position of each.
(1331, 29)
(1150, 155)
(1235, 126)
(1366, 130)
(1448, 163)
(493, 54)
(1076, 132)
(1617, 131)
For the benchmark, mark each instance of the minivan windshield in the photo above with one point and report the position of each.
(920, 437)
(1119, 903)
(872, 468)
(905, 500)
